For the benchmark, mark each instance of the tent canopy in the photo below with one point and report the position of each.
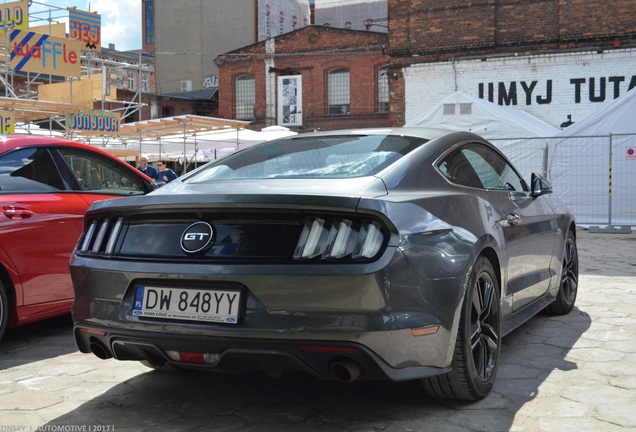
(591, 167)
(515, 132)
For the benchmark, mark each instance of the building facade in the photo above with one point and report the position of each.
(314, 78)
(186, 36)
(555, 59)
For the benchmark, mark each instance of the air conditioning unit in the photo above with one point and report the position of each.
(186, 86)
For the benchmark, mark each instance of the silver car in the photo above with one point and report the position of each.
(400, 254)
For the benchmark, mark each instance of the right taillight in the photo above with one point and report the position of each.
(339, 239)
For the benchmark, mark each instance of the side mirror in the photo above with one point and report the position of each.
(539, 185)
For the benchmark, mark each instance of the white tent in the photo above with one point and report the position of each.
(209, 145)
(517, 133)
(592, 164)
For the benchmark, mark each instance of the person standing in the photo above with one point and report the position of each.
(164, 174)
(149, 170)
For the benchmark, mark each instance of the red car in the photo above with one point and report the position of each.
(46, 185)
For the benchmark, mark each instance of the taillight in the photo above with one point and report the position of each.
(339, 239)
(101, 236)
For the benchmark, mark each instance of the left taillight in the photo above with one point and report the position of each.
(339, 239)
(100, 236)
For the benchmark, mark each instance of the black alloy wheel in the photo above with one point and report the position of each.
(568, 288)
(476, 356)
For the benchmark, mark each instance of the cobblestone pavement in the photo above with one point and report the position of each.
(571, 373)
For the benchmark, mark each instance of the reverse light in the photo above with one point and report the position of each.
(193, 358)
(339, 238)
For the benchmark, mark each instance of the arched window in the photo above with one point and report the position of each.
(245, 97)
(383, 90)
(338, 91)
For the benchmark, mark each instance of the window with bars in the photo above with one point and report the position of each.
(245, 97)
(383, 90)
(338, 91)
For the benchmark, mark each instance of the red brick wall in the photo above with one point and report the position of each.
(422, 31)
(438, 30)
(312, 52)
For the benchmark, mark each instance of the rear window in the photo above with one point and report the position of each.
(341, 156)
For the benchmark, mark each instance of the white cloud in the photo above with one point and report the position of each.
(121, 23)
(121, 19)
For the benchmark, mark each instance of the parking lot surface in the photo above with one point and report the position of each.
(571, 373)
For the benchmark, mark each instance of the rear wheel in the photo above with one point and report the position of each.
(4, 310)
(476, 356)
(569, 284)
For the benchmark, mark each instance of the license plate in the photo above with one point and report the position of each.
(211, 305)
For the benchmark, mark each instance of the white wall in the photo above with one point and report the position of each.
(564, 84)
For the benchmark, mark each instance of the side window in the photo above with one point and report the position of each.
(29, 170)
(101, 175)
(476, 165)
(457, 168)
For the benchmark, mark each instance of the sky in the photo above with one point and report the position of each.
(121, 19)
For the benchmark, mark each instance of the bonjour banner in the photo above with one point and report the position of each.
(95, 122)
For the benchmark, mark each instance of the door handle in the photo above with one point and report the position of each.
(17, 213)
(513, 219)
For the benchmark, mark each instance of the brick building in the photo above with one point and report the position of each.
(339, 80)
(570, 55)
(551, 58)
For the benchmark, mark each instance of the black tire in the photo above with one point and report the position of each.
(4, 310)
(569, 284)
(476, 357)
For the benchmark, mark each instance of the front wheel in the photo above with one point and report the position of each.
(476, 356)
(569, 284)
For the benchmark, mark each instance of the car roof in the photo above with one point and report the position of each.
(12, 142)
(419, 132)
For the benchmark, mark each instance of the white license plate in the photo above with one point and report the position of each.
(212, 305)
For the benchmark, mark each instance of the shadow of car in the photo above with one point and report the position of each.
(46, 185)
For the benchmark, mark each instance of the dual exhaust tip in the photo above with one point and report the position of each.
(344, 370)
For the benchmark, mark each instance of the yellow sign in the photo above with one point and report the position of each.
(95, 122)
(87, 28)
(15, 15)
(42, 53)
(7, 122)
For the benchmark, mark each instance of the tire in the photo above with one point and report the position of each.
(476, 356)
(4, 310)
(569, 284)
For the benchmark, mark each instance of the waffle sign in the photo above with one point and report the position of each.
(42, 53)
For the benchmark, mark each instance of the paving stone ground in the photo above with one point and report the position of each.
(570, 373)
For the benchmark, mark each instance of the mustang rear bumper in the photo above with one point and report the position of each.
(344, 361)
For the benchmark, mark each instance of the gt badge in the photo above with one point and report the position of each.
(198, 237)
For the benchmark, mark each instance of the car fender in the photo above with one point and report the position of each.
(12, 283)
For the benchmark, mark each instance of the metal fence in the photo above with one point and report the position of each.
(594, 175)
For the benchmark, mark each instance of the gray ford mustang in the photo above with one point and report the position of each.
(395, 254)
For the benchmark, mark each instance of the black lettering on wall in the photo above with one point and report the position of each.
(528, 89)
(548, 94)
(593, 96)
(508, 96)
(617, 80)
(578, 82)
